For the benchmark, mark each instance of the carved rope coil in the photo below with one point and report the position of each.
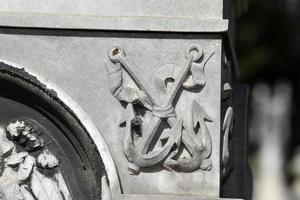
(164, 112)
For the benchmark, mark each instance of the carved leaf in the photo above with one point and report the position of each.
(62, 186)
(25, 168)
(11, 191)
(26, 192)
(6, 146)
(16, 159)
(49, 188)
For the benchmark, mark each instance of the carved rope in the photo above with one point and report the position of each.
(137, 145)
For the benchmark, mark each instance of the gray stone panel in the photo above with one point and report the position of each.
(140, 15)
(117, 8)
(76, 64)
(151, 197)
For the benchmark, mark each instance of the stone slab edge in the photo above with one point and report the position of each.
(65, 21)
(168, 197)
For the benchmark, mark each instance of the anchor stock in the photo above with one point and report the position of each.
(138, 155)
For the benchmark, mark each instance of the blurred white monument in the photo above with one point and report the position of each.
(270, 126)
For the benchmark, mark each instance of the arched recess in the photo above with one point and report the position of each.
(47, 97)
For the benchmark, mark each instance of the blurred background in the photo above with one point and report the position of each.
(267, 43)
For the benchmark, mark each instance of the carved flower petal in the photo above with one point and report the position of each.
(47, 160)
(25, 132)
(32, 137)
(12, 128)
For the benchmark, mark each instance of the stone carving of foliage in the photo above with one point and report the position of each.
(24, 176)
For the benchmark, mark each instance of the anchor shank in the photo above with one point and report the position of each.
(137, 77)
(150, 133)
(178, 82)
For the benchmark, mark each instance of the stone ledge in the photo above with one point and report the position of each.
(134, 23)
(168, 197)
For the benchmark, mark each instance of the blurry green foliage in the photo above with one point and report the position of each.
(267, 38)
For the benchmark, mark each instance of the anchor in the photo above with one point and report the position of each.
(199, 144)
(139, 155)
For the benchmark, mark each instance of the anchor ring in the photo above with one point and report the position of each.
(195, 51)
(115, 53)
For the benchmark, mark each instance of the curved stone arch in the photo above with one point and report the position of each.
(110, 182)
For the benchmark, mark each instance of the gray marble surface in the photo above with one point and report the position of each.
(175, 8)
(151, 197)
(76, 64)
(73, 63)
(142, 15)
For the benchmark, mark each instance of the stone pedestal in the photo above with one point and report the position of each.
(148, 82)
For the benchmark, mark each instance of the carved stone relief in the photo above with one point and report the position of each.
(227, 117)
(227, 128)
(28, 170)
(154, 134)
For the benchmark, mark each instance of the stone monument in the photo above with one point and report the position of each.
(119, 100)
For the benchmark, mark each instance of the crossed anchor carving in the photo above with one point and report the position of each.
(198, 143)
